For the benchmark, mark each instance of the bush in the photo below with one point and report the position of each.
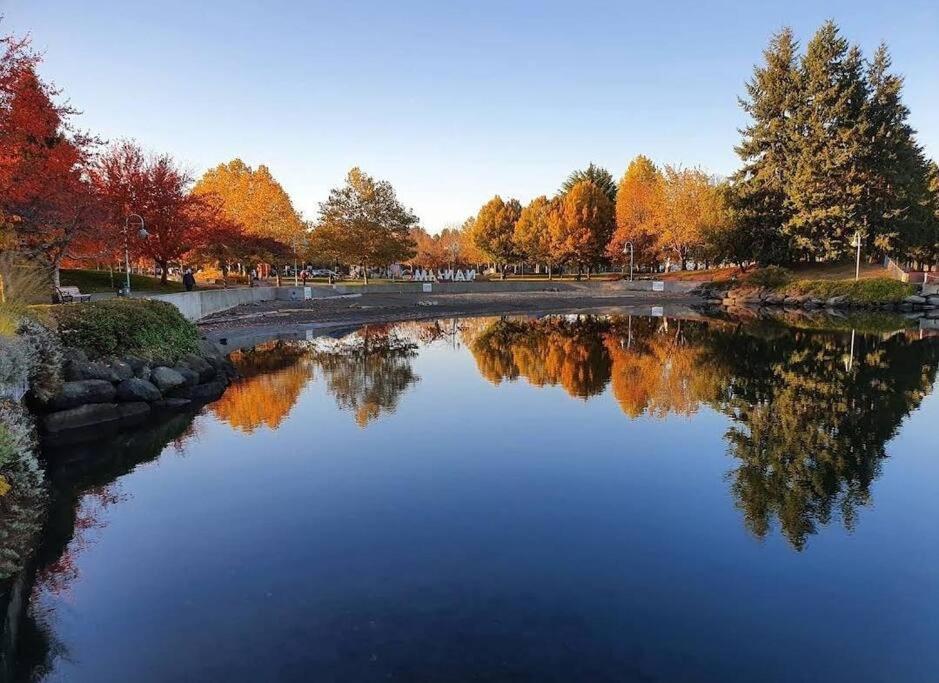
(45, 353)
(120, 327)
(871, 291)
(771, 277)
(23, 499)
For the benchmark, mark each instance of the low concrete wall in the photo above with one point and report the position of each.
(198, 304)
(497, 286)
(201, 303)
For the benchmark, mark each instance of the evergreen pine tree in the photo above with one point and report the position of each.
(759, 198)
(597, 175)
(828, 187)
(897, 203)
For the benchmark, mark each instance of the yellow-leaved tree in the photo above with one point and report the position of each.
(692, 207)
(253, 199)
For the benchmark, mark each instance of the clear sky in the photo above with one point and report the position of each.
(451, 102)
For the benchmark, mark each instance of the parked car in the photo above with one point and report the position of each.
(323, 272)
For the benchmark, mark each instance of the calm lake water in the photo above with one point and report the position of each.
(563, 499)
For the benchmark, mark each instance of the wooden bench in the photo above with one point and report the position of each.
(69, 294)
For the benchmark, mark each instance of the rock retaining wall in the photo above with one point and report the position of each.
(755, 297)
(121, 390)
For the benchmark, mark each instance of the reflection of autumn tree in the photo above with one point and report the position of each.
(552, 351)
(368, 372)
(810, 427)
(273, 375)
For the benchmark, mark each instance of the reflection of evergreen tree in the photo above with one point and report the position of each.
(369, 372)
(810, 422)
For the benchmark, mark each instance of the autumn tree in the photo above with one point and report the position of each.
(639, 201)
(45, 197)
(363, 223)
(253, 198)
(597, 175)
(494, 230)
(533, 232)
(469, 252)
(427, 249)
(450, 245)
(692, 206)
(156, 188)
(582, 226)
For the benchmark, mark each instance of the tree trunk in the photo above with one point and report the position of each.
(365, 274)
(549, 271)
(164, 274)
(502, 271)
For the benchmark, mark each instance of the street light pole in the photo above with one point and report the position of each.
(857, 266)
(143, 233)
(630, 245)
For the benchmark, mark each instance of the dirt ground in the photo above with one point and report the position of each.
(268, 317)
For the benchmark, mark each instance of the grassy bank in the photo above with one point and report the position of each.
(96, 281)
(870, 291)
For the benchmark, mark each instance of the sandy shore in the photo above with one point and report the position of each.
(292, 318)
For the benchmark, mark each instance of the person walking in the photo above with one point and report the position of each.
(189, 280)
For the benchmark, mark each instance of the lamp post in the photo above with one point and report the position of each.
(857, 243)
(142, 233)
(630, 246)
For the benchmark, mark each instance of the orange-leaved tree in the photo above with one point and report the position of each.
(638, 212)
(253, 198)
(583, 227)
(533, 232)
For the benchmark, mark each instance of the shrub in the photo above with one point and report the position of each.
(21, 506)
(45, 353)
(151, 329)
(771, 277)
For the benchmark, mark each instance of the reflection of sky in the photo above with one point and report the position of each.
(480, 527)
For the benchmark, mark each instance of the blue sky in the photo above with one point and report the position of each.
(451, 102)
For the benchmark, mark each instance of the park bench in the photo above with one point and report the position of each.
(67, 295)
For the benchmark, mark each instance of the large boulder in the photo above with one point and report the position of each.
(166, 378)
(172, 404)
(915, 299)
(836, 301)
(121, 369)
(135, 389)
(202, 393)
(82, 416)
(933, 299)
(200, 365)
(81, 392)
(190, 376)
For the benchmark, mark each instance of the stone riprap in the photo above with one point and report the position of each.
(107, 391)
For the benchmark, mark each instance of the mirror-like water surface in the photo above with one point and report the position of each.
(562, 499)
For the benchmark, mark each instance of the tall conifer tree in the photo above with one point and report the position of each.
(759, 196)
(829, 185)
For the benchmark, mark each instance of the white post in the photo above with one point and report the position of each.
(857, 268)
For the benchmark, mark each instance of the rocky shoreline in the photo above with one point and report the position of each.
(117, 391)
(749, 297)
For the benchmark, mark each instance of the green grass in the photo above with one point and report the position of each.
(95, 281)
(872, 290)
(121, 327)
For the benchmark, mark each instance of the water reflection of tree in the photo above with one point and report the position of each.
(368, 372)
(272, 376)
(808, 428)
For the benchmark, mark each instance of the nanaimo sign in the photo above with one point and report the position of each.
(429, 275)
